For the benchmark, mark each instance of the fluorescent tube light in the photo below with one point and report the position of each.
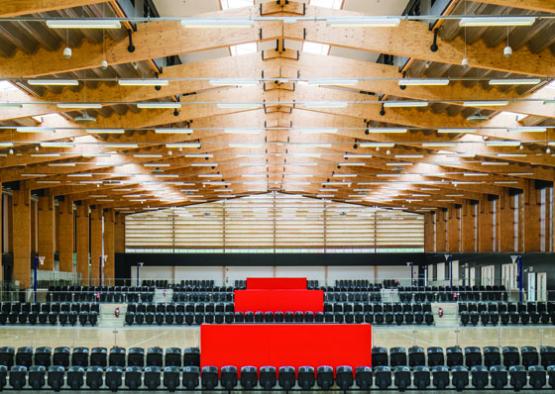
(191, 23)
(351, 164)
(79, 106)
(186, 145)
(105, 131)
(386, 130)
(156, 165)
(30, 129)
(502, 143)
(497, 21)
(515, 81)
(159, 105)
(53, 82)
(63, 164)
(147, 156)
(368, 144)
(11, 105)
(455, 131)
(405, 104)
(357, 156)
(83, 24)
(494, 163)
(363, 21)
(492, 103)
(423, 82)
(529, 129)
(143, 82)
(57, 145)
(174, 131)
(46, 155)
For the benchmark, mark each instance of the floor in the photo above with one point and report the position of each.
(189, 336)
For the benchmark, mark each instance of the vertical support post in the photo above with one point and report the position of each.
(66, 242)
(47, 234)
(22, 237)
(83, 242)
(109, 246)
(96, 244)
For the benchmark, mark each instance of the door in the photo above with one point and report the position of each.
(472, 276)
(455, 272)
(541, 287)
(488, 275)
(532, 286)
(440, 274)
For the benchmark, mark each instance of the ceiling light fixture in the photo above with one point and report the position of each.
(363, 21)
(83, 24)
(191, 23)
(53, 82)
(423, 82)
(143, 82)
(174, 131)
(497, 21)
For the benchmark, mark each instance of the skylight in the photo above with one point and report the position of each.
(227, 4)
(315, 48)
(243, 49)
(335, 4)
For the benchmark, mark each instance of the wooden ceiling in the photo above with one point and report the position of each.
(312, 124)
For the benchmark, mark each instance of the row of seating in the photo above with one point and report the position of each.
(376, 308)
(353, 296)
(452, 293)
(505, 318)
(418, 318)
(98, 356)
(51, 318)
(268, 378)
(470, 356)
(181, 307)
(529, 307)
(100, 294)
(415, 356)
(46, 307)
(204, 296)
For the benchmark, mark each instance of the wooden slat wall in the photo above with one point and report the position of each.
(275, 221)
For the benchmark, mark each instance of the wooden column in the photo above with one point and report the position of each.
(83, 242)
(66, 241)
(506, 227)
(22, 235)
(47, 231)
(96, 243)
(532, 206)
(453, 228)
(485, 225)
(1, 234)
(468, 223)
(109, 246)
(429, 232)
(441, 230)
(120, 233)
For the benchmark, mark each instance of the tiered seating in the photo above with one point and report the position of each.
(173, 369)
(49, 313)
(504, 313)
(111, 294)
(452, 293)
(223, 312)
(191, 294)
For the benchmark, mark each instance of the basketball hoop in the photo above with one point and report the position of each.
(41, 260)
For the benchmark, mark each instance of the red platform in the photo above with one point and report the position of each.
(279, 300)
(286, 345)
(277, 283)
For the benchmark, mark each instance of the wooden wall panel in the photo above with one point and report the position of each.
(22, 235)
(83, 242)
(46, 231)
(66, 234)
